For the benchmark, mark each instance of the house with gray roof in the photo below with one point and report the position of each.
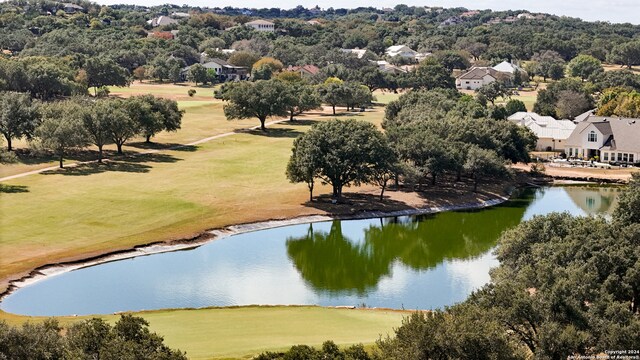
(610, 139)
(161, 21)
(476, 78)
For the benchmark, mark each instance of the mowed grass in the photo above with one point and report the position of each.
(241, 333)
(529, 99)
(73, 213)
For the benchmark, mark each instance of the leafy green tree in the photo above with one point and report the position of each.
(260, 99)
(332, 92)
(628, 210)
(482, 164)
(300, 97)
(264, 68)
(451, 59)
(95, 118)
(198, 74)
(429, 75)
(338, 152)
(243, 58)
(514, 105)
(584, 66)
(105, 72)
(571, 104)
(547, 100)
(549, 64)
(626, 54)
(121, 126)
(154, 114)
(19, 116)
(493, 91)
(62, 128)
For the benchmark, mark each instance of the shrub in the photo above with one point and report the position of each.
(191, 92)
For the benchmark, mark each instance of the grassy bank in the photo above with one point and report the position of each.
(238, 333)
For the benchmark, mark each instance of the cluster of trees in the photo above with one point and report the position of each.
(288, 94)
(128, 338)
(428, 134)
(329, 351)
(619, 101)
(59, 126)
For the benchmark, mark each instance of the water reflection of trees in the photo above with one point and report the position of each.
(329, 261)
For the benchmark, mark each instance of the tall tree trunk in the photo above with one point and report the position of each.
(100, 153)
(262, 127)
(334, 109)
(384, 186)
(9, 147)
(119, 145)
(310, 185)
(291, 115)
(148, 138)
(433, 179)
(475, 184)
(61, 156)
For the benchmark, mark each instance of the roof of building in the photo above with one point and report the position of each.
(260, 22)
(507, 67)
(358, 52)
(161, 21)
(311, 69)
(478, 73)
(73, 6)
(621, 133)
(544, 126)
(583, 116)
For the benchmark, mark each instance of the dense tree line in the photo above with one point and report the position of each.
(60, 126)
(428, 134)
(128, 338)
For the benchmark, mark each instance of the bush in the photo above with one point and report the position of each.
(537, 169)
(191, 92)
(102, 91)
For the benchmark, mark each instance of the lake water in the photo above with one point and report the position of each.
(421, 262)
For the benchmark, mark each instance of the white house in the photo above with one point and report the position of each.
(402, 51)
(507, 67)
(161, 21)
(360, 53)
(476, 78)
(552, 134)
(388, 68)
(611, 139)
(262, 25)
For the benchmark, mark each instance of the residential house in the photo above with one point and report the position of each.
(508, 67)
(454, 20)
(70, 8)
(609, 139)
(182, 15)
(385, 67)
(314, 22)
(582, 117)
(476, 78)
(262, 25)
(360, 53)
(552, 134)
(223, 71)
(470, 13)
(402, 51)
(161, 21)
(305, 70)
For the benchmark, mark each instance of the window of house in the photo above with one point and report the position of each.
(625, 157)
(605, 156)
(570, 151)
(619, 156)
(593, 137)
(631, 159)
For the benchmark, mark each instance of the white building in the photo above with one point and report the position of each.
(476, 78)
(508, 67)
(552, 134)
(262, 25)
(162, 21)
(360, 53)
(611, 139)
(402, 51)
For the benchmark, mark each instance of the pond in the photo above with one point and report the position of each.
(420, 262)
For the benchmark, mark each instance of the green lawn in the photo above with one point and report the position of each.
(240, 333)
(527, 98)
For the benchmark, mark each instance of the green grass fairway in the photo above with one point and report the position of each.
(244, 332)
(241, 333)
(528, 99)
